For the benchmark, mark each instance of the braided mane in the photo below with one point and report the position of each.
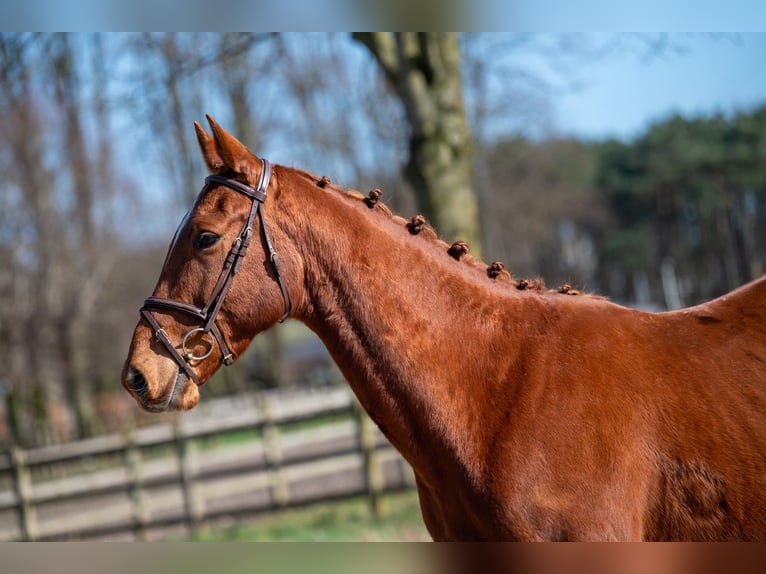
(459, 250)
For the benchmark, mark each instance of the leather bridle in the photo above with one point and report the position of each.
(207, 314)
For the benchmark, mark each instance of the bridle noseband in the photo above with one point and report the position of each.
(207, 314)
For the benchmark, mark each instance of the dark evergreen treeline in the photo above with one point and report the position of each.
(685, 201)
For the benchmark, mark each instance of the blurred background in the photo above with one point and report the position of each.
(629, 165)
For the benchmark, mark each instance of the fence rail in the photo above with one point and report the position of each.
(239, 457)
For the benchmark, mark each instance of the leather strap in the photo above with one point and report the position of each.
(255, 194)
(162, 337)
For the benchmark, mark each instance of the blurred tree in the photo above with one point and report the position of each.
(85, 257)
(424, 71)
(54, 163)
(180, 74)
(237, 81)
(545, 209)
(30, 226)
(689, 192)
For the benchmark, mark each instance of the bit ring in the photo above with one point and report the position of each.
(188, 355)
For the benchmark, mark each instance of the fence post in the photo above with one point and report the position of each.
(135, 492)
(22, 485)
(280, 493)
(373, 469)
(194, 506)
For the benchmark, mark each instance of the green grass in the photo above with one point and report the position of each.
(344, 521)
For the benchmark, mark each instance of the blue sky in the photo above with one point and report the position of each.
(621, 94)
(338, 15)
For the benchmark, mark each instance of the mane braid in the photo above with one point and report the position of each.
(417, 225)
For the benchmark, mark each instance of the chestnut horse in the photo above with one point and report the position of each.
(526, 414)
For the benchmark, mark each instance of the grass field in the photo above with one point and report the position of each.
(335, 522)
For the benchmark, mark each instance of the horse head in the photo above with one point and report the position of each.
(211, 299)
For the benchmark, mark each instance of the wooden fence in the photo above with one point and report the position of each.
(238, 458)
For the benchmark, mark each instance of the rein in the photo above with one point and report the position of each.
(207, 315)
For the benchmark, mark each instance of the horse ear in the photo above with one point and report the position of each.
(207, 147)
(234, 154)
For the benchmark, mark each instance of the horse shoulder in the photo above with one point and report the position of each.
(570, 428)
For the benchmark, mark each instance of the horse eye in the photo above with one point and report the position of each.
(206, 239)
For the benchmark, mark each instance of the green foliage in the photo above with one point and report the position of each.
(608, 214)
(693, 191)
(631, 248)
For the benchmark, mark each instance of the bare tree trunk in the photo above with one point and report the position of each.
(238, 78)
(33, 284)
(36, 301)
(729, 251)
(424, 71)
(79, 395)
(741, 232)
(84, 255)
(173, 62)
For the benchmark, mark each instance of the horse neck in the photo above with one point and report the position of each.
(404, 322)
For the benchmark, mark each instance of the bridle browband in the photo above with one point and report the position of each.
(207, 314)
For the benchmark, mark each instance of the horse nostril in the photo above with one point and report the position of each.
(136, 382)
